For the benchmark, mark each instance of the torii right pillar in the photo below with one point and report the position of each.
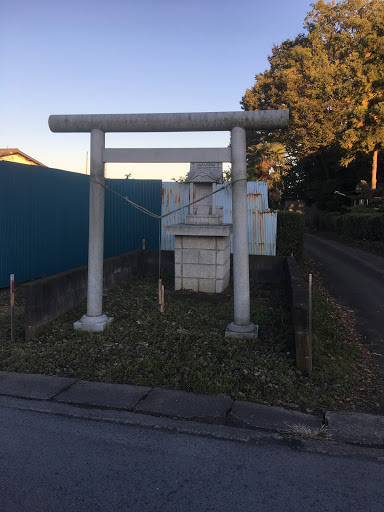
(241, 327)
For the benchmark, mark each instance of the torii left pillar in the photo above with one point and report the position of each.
(95, 320)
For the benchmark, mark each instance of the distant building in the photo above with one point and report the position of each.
(15, 155)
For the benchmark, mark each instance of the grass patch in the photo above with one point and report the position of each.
(185, 348)
(342, 366)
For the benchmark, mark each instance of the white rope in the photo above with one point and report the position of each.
(154, 215)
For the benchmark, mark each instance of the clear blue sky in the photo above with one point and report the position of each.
(130, 56)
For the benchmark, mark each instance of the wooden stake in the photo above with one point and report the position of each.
(143, 244)
(310, 310)
(159, 290)
(12, 293)
(162, 299)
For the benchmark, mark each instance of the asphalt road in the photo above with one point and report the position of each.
(55, 463)
(356, 280)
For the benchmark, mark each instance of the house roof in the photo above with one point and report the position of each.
(16, 151)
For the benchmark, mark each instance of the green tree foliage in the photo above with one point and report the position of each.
(331, 79)
(267, 161)
(180, 179)
(354, 29)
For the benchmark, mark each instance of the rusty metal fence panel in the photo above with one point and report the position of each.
(262, 222)
(174, 195)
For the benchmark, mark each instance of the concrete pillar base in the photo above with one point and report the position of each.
(241, 331)
(93, 323)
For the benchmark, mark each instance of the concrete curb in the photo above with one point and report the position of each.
(356, 428)
(341, 427)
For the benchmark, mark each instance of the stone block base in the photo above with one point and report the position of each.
(202, 263)
(209, 219)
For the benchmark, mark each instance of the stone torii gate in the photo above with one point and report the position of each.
(235, 122)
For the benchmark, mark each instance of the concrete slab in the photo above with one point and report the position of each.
(199, 230)
(102, 394)
(27, 385)
(187, 406)
(249, 415)
(356, 428)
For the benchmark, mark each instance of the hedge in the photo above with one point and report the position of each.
(368, 225)
(364, 226)
(290, 234)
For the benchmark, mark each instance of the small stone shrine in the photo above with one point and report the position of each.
(202, 244)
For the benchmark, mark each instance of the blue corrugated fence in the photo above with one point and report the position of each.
(125, 226)
(44, 220)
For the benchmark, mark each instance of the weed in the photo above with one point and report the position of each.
(298, 430)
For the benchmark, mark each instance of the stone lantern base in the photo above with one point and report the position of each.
(202, 257)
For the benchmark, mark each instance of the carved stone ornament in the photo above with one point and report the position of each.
(205, 172)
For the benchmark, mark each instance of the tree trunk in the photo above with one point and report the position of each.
(374, 169)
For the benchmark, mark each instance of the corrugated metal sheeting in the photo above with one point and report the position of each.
(262, 222)
(125, 226)
(174, 195)
(44, 220)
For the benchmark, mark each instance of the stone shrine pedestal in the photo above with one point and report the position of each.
(202, 244)
(202, 257)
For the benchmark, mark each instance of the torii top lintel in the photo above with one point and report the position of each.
(180, 122)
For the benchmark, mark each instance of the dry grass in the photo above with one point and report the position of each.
(298, 430)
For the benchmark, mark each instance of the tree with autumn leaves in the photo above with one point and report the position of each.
(331, 78)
